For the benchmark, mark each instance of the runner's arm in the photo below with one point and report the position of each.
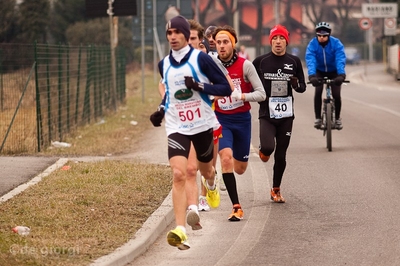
(258, 94)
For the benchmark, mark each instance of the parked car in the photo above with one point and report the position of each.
(353, 56)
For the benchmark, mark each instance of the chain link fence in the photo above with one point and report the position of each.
(47, 91)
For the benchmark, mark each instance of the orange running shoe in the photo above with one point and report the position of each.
(276, 195)
(263, 157)
(237, 213)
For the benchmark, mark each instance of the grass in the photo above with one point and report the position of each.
(86, 210)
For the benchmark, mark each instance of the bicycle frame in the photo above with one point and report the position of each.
(328, 114)
(328, 111)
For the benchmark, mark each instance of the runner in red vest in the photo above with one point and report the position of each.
(233, 113)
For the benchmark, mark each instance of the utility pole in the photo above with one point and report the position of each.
(113, 67)
(142, 43)
(236, 20)
(276, 9)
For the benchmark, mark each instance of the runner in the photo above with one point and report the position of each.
(281, 73)
(233, 113)
(189, 77)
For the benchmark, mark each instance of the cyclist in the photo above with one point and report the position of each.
(325, 57)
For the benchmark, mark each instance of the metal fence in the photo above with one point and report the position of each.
(47, 91)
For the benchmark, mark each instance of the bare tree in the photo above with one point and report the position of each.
(318, 11)
(314, 10)
(202, 14)
(229, 11)
(344, 7)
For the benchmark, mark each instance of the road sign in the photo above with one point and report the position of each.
(390, 27)
(379, 10)
(365, 23)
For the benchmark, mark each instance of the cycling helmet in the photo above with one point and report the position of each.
(323, 28)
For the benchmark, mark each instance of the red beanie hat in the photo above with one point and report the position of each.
(279, 30)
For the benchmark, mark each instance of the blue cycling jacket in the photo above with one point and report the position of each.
(330, 58)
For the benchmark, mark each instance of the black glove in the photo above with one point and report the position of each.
(339, 79)
(192, 84)
(314, 80)
(294, 82)
(157, 116)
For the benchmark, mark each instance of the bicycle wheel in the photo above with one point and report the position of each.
(329, 126)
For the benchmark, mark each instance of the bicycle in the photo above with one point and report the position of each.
(328, 112)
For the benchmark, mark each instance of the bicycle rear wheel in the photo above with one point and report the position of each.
(329, 126)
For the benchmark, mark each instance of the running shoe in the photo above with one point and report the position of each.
(318, 123)
(222, 184)
(177, 238)
(203, 205)
(193, 219)
(213, 197)
(338, 124)
(263, 157)
(276, 195)
(237, 213)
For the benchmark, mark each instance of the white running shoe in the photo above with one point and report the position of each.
(193, 219)
(222, 184)
(203, 205)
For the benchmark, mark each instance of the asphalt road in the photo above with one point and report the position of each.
(343, 207)
(15, 171)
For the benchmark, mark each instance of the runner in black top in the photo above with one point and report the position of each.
(281, 73)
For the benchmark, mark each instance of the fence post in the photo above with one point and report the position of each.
(48, 94)
(39, 122)
(59, 118)
(78, 85)
(68, 92)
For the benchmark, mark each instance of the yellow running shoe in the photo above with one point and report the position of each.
(177, 238)
(213, 197)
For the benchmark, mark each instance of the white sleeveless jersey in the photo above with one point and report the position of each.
(186, 111)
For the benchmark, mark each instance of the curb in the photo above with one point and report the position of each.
(143, 239)
(35, 180)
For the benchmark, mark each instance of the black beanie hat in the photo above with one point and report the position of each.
(180, 23)
(206, 44)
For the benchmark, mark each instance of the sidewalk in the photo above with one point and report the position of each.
(374, 74)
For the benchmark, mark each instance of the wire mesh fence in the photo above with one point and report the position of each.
(47, 91)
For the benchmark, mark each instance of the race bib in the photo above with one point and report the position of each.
(279, 88)
(280, 107)
(190, 114)
(229, 103)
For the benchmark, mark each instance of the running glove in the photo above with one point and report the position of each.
(157, 117)
(339, 79)
(192, 84)
(294, 82)
(314, 80)
(236, 94)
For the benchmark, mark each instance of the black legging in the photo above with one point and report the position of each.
(335, 94)
(276, 131)
(318, 100)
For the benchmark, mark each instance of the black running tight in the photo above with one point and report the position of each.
(276, 132)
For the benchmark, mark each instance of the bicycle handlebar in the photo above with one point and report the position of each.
(328, 81)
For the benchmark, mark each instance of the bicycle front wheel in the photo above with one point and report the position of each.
(329, 126)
